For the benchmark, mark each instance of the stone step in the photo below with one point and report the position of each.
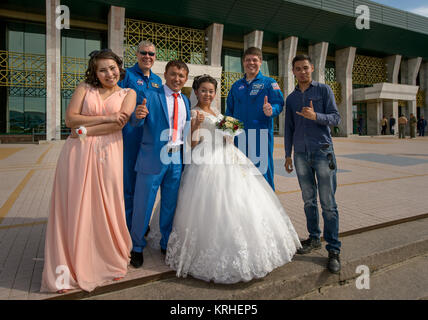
(375, 249)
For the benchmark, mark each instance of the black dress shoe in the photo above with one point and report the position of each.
(137, 259)
(308, 245)
(147, 232)
(163, 251)
(333, 264)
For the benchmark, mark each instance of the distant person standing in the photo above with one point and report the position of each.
(413, 122)
(402, 122)
(422, 123)
(384, 124)
(360, 125)
(391, 124)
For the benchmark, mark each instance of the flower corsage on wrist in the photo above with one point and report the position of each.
(81, 132)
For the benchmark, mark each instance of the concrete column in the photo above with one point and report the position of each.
(390, 107)
(318, 55)
(116, 29)
(287, 49)
(53, 73)
(409, 73)
(253, 39)
(344, 65)
(374, 116)
(423, 77)
(413, 70)
(393, 67)
(215, 43)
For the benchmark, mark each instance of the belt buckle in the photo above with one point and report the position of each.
(173, 149)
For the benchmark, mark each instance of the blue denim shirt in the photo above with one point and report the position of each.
(305, 134)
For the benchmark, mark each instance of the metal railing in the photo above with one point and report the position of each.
(368, 70)
(420, 98)
(19, 69)
(172, 42)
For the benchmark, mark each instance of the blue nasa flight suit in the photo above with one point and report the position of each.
(134, 79)
(245, 102)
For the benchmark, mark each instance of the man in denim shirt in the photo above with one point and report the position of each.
(310, 110)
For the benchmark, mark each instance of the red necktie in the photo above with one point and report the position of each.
(174, 130)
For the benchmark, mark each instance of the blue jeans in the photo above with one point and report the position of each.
(314, 172)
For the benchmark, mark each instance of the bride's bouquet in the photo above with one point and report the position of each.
(230, 126)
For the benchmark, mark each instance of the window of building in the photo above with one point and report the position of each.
(25, 110)
(76, 45)
(232, 60)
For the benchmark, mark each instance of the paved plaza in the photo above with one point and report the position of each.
(380, 179)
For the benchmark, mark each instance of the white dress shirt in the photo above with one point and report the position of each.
(181, 115)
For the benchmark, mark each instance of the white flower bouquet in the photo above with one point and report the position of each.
(230, 126)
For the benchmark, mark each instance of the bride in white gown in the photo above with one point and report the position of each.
(229, 226)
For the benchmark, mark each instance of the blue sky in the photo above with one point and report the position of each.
(415, 6)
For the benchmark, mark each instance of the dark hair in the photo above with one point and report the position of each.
(178, 64)
(91, 72)
(202, 79)
(301, 57)
(253, 51)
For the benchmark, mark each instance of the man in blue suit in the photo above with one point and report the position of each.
(256, 100)
(164, 117)
(141, 79)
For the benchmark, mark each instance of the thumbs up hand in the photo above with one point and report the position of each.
(199, 118)
(308, 112)
(267, 107)
(141, 111)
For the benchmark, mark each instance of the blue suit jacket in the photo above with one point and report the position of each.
(156, 131)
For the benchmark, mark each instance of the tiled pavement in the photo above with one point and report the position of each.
(380, 179)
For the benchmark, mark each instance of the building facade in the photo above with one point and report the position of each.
(375, 58)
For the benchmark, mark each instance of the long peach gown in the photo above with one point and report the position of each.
(87, 237)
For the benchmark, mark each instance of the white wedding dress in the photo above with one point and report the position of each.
(229, 226)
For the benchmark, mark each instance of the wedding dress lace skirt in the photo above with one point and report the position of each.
(229, 226)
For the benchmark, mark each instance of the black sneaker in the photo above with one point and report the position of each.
(308, 245)
(333, 264)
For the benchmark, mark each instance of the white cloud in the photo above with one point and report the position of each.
(423, 11)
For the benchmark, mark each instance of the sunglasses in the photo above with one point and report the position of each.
(331, 165)
(150, 53)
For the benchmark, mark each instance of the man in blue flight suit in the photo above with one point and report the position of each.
(256, 100)
(141, 79)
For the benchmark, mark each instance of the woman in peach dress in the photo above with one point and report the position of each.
(87, 240)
